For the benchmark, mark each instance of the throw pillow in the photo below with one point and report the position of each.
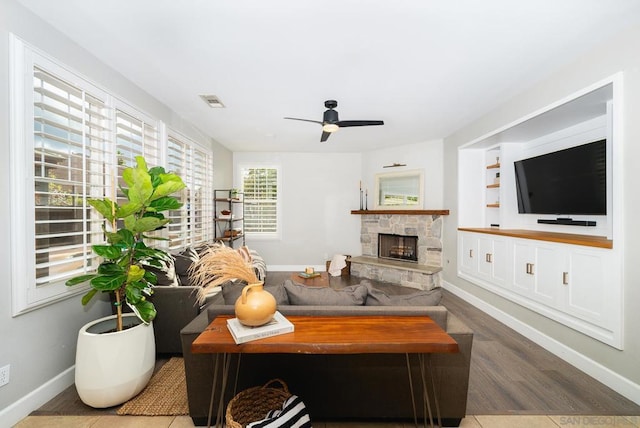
(377, 297)
(206, 245)
(258, 264)
(300, 294)
(245, 253)
(183, 261)
(232, 290)
(165, 274)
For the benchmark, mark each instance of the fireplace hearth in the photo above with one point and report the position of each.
(398, 247)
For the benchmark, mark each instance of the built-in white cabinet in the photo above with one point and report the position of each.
(536, 271)
(567, 273)
(492, 263)
(591, 291)
(576, 285)
(484, 257)
(468, 253)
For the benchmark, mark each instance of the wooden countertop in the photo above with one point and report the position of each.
(564, 238)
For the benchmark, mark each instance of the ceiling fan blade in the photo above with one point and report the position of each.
(304, 120)
(346, 123)
(325, 136)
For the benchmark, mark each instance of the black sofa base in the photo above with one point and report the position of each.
(448, 422)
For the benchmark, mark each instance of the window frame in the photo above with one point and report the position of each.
(277, 235)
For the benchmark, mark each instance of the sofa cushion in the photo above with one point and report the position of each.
(377, 297)
(232, 290)
(300, 294)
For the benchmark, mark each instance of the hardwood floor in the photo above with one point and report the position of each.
(510, 375)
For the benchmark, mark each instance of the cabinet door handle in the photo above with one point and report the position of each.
(470, 254)
(488, 258)
(565, 278)
(529, 269)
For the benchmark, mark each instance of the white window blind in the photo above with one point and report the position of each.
(71, 158)
(260, 188)
(135, 135)
(193, 223)
(200, 185)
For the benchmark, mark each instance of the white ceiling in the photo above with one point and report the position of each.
(425, 67)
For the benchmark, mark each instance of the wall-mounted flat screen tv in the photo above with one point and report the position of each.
(569, 181)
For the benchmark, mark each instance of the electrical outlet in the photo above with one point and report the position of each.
(4, 375)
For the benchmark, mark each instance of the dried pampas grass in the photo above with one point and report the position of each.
(218, 265)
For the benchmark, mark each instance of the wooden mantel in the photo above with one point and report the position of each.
(401, 212)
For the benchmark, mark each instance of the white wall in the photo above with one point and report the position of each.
(619, 369)
(427, 156)
(40, 345)
(318, 192)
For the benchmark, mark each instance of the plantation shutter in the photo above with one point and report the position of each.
(178, 159)
(71, 162)
(135, 136)
(192, 223)
(260, 188)
(201, 185)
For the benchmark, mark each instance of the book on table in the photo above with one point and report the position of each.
(309, 275)
(242, 333)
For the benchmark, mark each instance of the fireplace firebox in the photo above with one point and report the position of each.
(398, 247)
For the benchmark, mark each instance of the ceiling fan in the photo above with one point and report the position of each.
(330, 122)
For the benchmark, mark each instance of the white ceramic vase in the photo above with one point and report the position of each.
(111, 368)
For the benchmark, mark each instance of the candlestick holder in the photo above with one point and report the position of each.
(360, 199)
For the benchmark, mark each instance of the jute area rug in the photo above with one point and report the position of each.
(165, 395)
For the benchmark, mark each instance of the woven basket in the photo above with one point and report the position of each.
(345, 271)
(253, 404)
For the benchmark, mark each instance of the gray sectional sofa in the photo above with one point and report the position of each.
(340, 387)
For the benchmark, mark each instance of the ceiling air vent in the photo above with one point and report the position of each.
(212, 101)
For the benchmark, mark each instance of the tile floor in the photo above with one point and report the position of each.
(478, 421)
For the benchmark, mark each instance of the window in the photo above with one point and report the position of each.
(261, 188)
(71, 140)
(62, 152)
(136, 134)
(192, 224)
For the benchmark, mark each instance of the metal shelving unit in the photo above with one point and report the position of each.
(229, 228)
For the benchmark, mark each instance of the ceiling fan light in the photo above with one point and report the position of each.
(330, 127)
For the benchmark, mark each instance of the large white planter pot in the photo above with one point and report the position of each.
(113, 367)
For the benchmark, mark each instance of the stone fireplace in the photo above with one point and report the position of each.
(425, 229)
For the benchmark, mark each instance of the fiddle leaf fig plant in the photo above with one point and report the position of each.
(125, 255)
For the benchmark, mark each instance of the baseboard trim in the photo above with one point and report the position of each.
(294, 268)
(613, 380)
(20, 409)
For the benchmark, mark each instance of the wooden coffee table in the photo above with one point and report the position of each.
(407, 335)
(316, 281)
